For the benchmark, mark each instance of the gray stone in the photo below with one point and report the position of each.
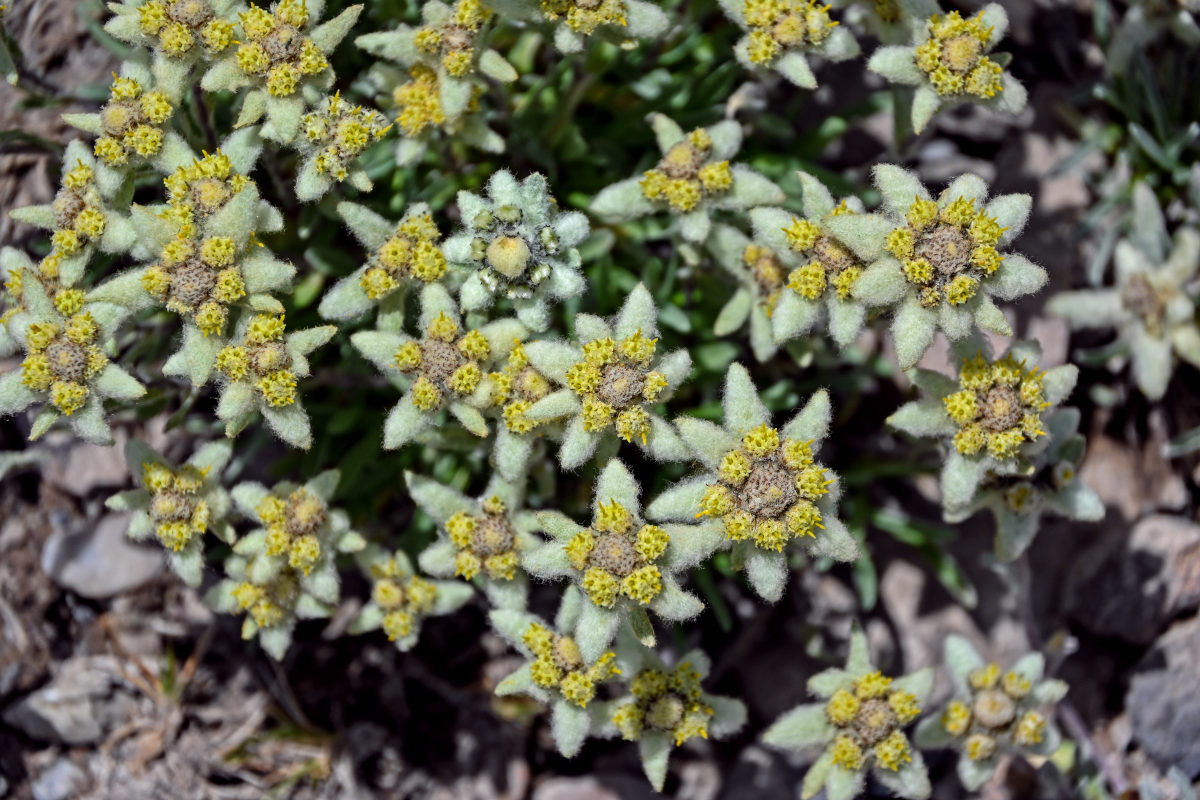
(1164, 699)
(100, 562)
(572, 789)
(81, 468)
(1131, 587)
(84, 701)
(62, 781)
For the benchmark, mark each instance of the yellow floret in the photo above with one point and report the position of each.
(872, 685)
(278, 388)
(922, 213)
(761, 441)
(847, 754)
(842, 708)
(893, 752)
(601, 587)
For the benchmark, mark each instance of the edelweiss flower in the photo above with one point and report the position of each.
(177, 505)
(762, 488)
(520, 246)
(937, 262)
(1151, 305)
(444, 368)
(181, 34)
(484, 538)
(335, 135)
(401, 600)
(575, 22)
(691, 181)
(622, 564)
(612, 379)
(991, 417)
(859, 725)
(993, 712)
(781, 34)
(666, 706)
(555, 672)
(130, 126)
(950, 61)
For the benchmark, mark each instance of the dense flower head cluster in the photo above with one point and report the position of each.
(418, 102)
(339, 133)
(131, 123)
(262, 358)
(558, 665)
(63, 359)
(412, 251)
(178, 512)
(404, 598)
(767, 490)
(293, 526)
(446, 362)
(513, 258)
(268, 603)
(946, 253)
(669, 701)
(994, 712)
(869, 718)
(781, 25)
(585, 16)
(452, 43)
(485, 541)
(199, 278)
(831, 264)
(768, 271)
(998, 408)
(179, 27)
(953, 56)
(614, 383)
(686, 174)
(617, 557)
(515, 388)
(198, 190)
(276, 48)
(79, 217)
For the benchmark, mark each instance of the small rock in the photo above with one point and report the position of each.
(1164, 699)
(1132, 481)
(23, 653)
(1131, 587)
(100, 562)
(572, 789)
(84, 701)
(62, 781)
(83, 467)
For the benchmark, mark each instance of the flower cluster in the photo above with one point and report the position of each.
(198, 278)
(515, 388)
(950, 60)
(687, 173)
(177, 28)
(989, 417)
(782, 33)
(177, 505)
(616, 557)
(520, 246)
(335, 135)
(401, 600)
(557, 665)
(859, 725)
(131, 123)
(575, 22)
(994, 711)
(199, 190)
(937, 262)
(276, 49)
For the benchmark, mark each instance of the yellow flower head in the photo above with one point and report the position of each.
(998, 408)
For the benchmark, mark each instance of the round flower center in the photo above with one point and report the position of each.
(120, 117)
(508, 255)
(875, 721)
(67, 360)
(492, 535)
(615, 553)
(961, 53)
(833, 255)
(192, 283)
(283, 43)
(67, 205)
(170, 506)
(305, 513)
(270, 356)
(1001, 408)
(1139, 297)
(192, 13)
(439, 360)
(209, 194)
(620, 384)
(994, 708)
(681, 162)
(769, 490)
(947, 248)
(565, 654)
(666, 712)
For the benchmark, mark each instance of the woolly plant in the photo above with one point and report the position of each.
(761, 488)
(993, 712)
(936, 263)
(782, 36)
(1152, 303)
(691, 181)
(858, 727)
